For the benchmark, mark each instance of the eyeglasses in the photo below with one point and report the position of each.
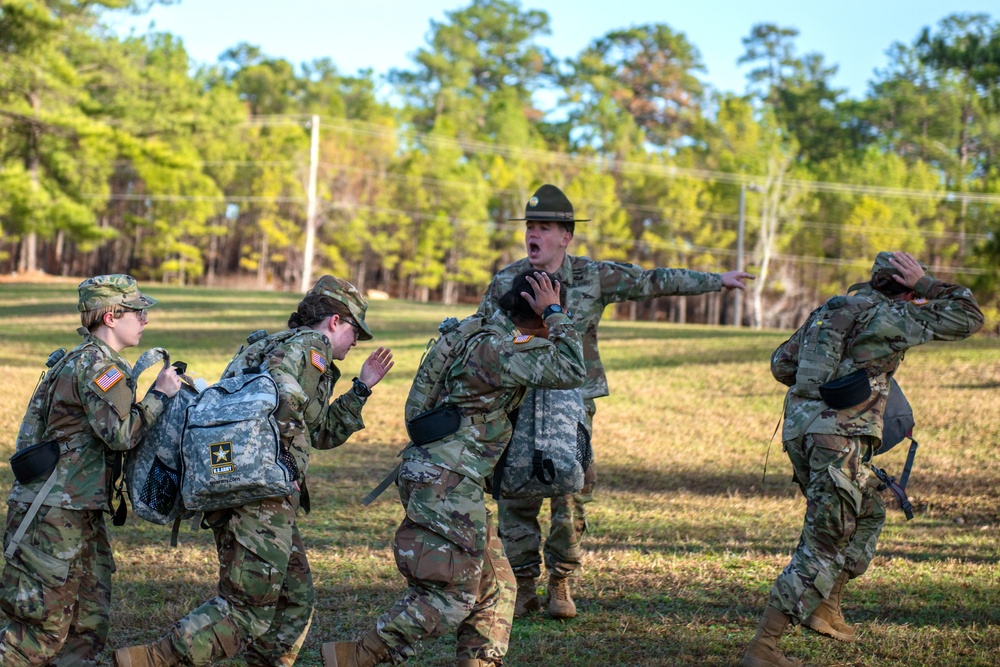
(140, 314)
(355, 326)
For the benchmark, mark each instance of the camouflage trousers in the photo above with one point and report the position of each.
(459, 579)
(522, 533)
(844, 518)
(56, 589)
(266, 595)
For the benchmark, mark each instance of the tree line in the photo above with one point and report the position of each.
(118, 155)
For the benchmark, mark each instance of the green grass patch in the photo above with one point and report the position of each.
(685, 536)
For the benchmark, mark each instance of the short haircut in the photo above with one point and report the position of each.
(516, 306)
(91, 319)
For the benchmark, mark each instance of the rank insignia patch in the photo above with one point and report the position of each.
(318, 360)
(523, 338)
(110, 378)
(222, 458)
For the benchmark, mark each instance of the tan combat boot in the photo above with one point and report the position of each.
(474, 662)
(160, 654)
(369, 650)
(560, 601)
(827, 619)
(763, 649)
(527, 597)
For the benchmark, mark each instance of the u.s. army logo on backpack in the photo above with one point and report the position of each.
(222, 457)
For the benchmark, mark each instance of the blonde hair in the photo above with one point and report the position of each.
(91, 319)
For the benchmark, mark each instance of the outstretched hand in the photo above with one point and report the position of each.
(546, 292)
(734, 279)
(909, 268)
(376, 366)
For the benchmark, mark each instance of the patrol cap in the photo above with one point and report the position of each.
(549, 204)
(882, 262)
(116, 289)
(347, 294)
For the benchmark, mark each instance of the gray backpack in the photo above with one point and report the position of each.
(550, 449)
(153, 467)
(231, 452)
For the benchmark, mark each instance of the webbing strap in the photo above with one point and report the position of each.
(32, 511)
(382, 486)
(910, 455)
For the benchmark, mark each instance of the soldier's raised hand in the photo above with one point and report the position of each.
(376, 366)
(909, 268)
(546, 292)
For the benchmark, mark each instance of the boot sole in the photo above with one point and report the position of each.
(822, 627)
(121, 658)
(751, 661)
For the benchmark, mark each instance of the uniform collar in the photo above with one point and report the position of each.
(107, 350)
(500, 319)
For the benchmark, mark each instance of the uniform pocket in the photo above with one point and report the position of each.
(451, 505)
(848, 492)
(424, 555)
(41, 563)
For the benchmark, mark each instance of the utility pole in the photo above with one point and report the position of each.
(738, 294)
(307, 252)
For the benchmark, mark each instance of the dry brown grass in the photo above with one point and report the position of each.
(685, 539)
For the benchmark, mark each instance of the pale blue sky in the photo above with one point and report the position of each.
(382, 34)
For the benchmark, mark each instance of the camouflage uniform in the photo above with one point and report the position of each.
(590, 286)
(56, 586)
(446, 546)
(829, 448)
(266, 595)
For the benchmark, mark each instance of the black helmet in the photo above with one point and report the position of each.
(549, 204)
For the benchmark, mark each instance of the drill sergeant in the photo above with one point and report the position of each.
(590, 286)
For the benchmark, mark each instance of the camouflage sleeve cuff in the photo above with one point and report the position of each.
(924, 285)
(353, 402)
(152, 405)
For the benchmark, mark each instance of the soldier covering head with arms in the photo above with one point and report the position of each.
(832, 429)
(446, 546)
(56, 582)
(266, 596)
(590, 286)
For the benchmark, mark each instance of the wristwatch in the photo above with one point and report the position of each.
(361, 389)
(553, 308)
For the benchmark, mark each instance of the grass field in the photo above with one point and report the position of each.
(685, 538)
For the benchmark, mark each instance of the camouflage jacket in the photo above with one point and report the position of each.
(940, 311)
(590, 286)
(298, 360)
(87, 403)
(490, 381)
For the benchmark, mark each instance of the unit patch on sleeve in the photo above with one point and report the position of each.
(523, 338)
(318, 360)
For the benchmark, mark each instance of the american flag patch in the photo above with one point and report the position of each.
(109, 379)
(523, 338)
(318, 360)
